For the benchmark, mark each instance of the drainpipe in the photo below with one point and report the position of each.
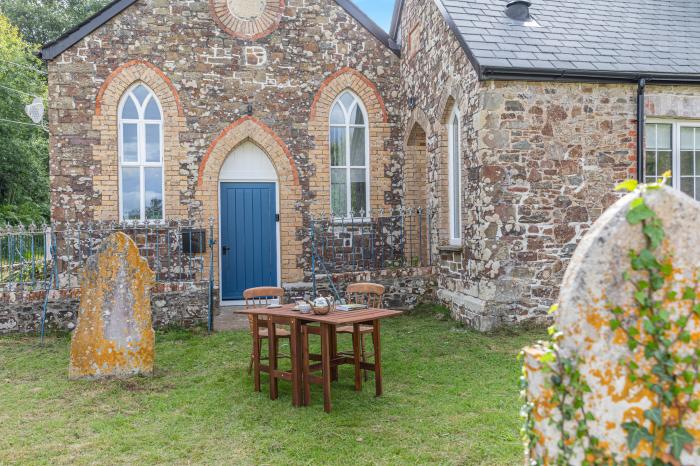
(640, 129)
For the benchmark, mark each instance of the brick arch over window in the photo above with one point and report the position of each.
(379, 130)
(106, 153)
(250, 129)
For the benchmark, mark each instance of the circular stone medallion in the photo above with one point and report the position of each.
(247, 19)
(246, 9)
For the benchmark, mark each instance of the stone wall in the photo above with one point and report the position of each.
(405, 288)
(206, 68)
(436, 76)
(539, 161)
(179, 305)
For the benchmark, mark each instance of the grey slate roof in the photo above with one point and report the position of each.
(620, 39)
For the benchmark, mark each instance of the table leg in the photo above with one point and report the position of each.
(334, 352)
(377, 358)
(305, 365)
(326, 363)
(256, 354)
(272, 352)
(356, 352)
(296, 366)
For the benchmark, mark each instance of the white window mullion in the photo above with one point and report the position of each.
(348, 170)
(676, 156)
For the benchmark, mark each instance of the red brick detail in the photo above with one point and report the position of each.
(265, 128)
(358, 75)
(242, 35)
(120, 69)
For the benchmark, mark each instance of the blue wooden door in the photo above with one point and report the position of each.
(248, 237)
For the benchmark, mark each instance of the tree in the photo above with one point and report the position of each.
(24, 185)
(41, 21)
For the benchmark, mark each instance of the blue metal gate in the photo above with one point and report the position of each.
(248, 237)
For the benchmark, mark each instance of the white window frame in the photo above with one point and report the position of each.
(455, 192)
(141, 163)
(348, 146)
(676, 125)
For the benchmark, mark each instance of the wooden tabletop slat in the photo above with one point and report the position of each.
(333, 318)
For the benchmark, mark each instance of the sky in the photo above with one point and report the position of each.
(379, 10)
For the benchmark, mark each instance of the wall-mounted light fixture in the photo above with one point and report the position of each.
(411, 103)
(249, 109)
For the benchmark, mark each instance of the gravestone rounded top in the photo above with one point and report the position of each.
(599, 279)
(594, 279)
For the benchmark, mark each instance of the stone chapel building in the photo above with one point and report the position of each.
(512, 121)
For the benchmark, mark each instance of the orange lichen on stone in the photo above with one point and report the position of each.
(114, 336)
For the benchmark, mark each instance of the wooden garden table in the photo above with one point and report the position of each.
(329, 357)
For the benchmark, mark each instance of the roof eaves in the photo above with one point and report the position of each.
(592, 76)
(381, 35)
(455, 30)
(396, 20)
(71, 37)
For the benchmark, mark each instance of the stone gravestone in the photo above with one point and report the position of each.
(592, 284)
(114, 336)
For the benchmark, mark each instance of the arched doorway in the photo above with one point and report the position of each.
(249, 219)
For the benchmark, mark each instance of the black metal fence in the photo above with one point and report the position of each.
(51, 257)
(374, 242)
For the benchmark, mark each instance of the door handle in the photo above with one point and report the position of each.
(225, 250)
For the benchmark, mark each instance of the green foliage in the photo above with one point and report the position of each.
(41, 21)
(24, 183)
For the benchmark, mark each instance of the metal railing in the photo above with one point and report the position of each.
(50, 257)
(377, 241)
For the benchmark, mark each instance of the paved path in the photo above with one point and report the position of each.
(228, 320)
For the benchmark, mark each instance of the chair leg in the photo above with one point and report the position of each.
(364, 359)
(305, 365)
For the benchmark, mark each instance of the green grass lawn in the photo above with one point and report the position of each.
(451, 397)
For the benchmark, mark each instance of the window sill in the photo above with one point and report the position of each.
(450, 248)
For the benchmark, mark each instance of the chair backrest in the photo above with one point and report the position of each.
(365, 293)
(261, 297)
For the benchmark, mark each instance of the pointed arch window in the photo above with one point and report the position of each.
(455, 178)
(349, 147)
(140, 155)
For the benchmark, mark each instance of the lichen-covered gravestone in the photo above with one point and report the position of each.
(618, 383)
(114, 336)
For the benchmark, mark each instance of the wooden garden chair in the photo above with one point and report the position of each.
(257, 298)
(369, 294)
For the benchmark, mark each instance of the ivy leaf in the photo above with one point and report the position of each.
(629, 185)
(635, 434)
(615, 324)
(694, 405)
(678, 438)
(648, 259)
(655, 234)
(638, 213)
(654, 415)
(689, 293)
